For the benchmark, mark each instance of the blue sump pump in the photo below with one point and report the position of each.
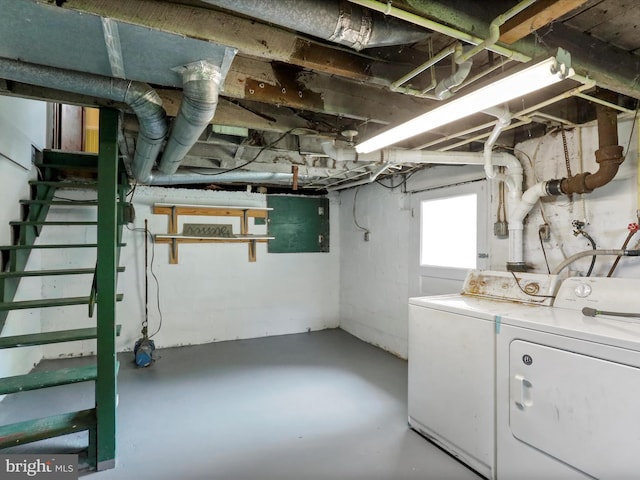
(143, 350)
(144, 347)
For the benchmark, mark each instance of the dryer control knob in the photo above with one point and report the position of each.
(582, 290)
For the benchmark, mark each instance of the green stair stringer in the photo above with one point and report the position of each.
(113, 212)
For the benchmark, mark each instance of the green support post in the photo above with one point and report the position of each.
(106, 391)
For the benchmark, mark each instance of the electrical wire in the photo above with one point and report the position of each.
(407, 176)
(544, 252)
(355, 220)
(262, 149)
(527, 293)
(153, 274)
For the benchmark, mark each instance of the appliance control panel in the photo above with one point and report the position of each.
(601, 293)
(532, 288)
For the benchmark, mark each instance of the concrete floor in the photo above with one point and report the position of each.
(321, 405)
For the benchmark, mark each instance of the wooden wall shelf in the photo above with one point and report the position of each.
(173, 238)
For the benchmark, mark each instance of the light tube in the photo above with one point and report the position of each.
(530, 79)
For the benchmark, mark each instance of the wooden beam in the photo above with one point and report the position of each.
(249, 37)
(541, 13)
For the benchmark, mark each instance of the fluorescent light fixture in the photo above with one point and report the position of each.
(540, 75)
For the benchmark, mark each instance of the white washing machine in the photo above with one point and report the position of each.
(452, 361)
(568, 385)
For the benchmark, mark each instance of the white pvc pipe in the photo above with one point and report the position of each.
(504, 119)
(521, 204)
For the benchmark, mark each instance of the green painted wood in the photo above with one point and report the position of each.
(65, 245)
(46, 338)
(48, 427)
(61, 203)
(53, 378)
(108, 239)
(299, 224)
(49, 302)
(90, 184)
(51, 273)
(65, 159)
(44, 223)
(63, 167)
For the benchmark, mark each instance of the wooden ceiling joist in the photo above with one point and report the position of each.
(541, 13)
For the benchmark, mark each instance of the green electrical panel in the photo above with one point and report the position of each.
(299, 224)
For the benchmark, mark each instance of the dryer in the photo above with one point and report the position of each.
(568, 385)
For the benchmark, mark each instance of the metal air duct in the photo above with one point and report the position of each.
(201, 85)
(142, 99)
(334, 20)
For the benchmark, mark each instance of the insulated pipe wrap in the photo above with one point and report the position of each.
(334, 20)
(201, 84)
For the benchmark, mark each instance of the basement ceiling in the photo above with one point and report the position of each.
(302, 77)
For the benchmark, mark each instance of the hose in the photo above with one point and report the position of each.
(587, 253)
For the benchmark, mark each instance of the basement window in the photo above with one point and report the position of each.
(448, 232)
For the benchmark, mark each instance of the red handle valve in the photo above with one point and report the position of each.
(633, 227)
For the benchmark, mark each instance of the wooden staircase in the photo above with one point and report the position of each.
(111, 186)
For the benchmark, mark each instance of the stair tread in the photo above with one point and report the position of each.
(45, 223)
(70, 203)
(46, 273)
(49, 302)
(63, 184)
(62, 166)
(45, 338)
(47, 427)
(51, 378)
(52, 245)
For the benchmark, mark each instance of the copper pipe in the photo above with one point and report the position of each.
(609, 154)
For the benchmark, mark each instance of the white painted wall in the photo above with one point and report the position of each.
(214, 293)
(374, 275)
(22, 124)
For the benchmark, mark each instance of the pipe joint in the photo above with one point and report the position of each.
(575, 184)
(553, 187)
(610, 153)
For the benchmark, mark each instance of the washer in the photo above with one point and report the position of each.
(568, 385)
(451, 398)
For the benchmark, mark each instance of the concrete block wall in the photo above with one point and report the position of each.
(214, 293)
(22, 126)
(375, 276)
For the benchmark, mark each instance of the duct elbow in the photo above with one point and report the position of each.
(147, 105)
(201, 85)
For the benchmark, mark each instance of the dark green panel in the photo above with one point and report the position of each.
(299, 224)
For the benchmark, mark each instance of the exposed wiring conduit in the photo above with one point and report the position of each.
(494, 30)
